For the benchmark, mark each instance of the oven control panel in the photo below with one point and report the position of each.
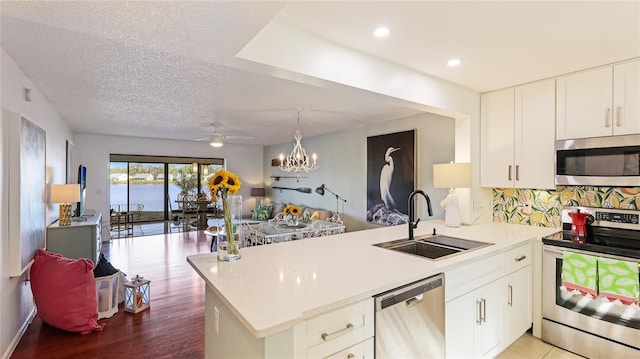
(617, 217)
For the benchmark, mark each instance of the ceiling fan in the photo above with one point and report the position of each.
(216, 139)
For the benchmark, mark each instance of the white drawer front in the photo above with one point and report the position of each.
(362, 350)
(518, 258)
(342, 328)
(469, 277)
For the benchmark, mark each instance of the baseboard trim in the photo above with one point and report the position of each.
(14, 343)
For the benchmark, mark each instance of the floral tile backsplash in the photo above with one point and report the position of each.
(510, 204)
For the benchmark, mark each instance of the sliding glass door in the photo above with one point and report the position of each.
(146, 187)
(146, 191)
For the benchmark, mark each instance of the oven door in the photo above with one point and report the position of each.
(618, 323)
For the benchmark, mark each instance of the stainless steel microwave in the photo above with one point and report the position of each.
(612, 161)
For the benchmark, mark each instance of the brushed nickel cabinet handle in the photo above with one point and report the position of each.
(619, 116)
(326, 337)
(510, 299)
(510, 172)
(484, 310)
(479, 312)
(607, 118)
(517, 172)
(521, 258)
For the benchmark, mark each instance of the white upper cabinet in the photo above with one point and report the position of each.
(626, 98)
(518, 136)
(535, 123)
(496, 138)
(599, 102)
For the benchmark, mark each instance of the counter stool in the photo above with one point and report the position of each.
(213, 232)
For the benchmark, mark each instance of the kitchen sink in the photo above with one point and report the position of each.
(433, 246)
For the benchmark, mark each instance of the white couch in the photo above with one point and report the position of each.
(267, 211)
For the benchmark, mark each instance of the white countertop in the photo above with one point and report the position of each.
(274, 287)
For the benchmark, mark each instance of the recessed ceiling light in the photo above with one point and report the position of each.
(453, 62)
(381, 32)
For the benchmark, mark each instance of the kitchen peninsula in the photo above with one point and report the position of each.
(270, 303)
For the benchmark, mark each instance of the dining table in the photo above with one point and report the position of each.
(198, 206)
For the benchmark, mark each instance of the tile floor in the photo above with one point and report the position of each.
(530, 347)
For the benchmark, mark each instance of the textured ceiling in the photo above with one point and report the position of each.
(167, 69)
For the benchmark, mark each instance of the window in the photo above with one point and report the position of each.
(147, 186)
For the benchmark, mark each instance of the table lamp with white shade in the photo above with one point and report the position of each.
(452, 176)
(65, 194)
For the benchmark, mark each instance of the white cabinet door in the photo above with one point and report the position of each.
(474, 325)
(518, 314)
(584, 104)
(459, 325)
(535, 138)
(489, 333)
(518, 136)
(626, 98)
(497, 141)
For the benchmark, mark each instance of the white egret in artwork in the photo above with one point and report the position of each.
(385, 178)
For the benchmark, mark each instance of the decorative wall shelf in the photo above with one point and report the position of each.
(299, 189)
(277, 178)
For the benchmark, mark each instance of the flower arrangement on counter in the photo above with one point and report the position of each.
(224, 183)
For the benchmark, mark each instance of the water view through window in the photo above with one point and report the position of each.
(146, 190)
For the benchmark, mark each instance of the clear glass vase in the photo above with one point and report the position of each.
(292, 221)
(230, 234)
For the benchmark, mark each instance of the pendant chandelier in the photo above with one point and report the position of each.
(297, 160)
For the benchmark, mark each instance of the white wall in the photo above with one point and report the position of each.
(93, 151)
(343, 166)
(16, 301)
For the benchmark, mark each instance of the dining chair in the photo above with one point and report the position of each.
(190, 210)
(175, 215)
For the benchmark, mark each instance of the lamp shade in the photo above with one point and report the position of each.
(257, 192)
(65, 193)
(452, 175)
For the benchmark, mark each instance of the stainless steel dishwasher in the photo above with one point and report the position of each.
(409, 320)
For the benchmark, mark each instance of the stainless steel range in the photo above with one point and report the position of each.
(583, 310)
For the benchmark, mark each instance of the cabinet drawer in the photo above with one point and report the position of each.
(363, 350)
(340, 329)
(518, 258)
(469, 277)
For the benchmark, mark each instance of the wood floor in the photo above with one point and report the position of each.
(172, 328)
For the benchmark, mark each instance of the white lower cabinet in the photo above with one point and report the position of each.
(475, 322)
(345, 332)
(518, 313)
(339, 331)
(362, 350)
(489, 304)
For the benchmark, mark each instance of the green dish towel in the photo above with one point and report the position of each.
(580, 273)
(618, 280)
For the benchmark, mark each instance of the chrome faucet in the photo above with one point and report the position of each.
(413, 224)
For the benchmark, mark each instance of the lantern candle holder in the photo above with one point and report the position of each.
(107, 292)
(137, 295)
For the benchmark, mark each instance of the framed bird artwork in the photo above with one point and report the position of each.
(391, 177)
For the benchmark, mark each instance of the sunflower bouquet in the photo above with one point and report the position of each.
(222, 184)
(292, 212)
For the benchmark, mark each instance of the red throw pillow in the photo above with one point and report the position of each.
(65, 292)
